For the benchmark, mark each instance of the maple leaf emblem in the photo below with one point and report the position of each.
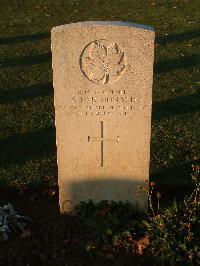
(102, 62)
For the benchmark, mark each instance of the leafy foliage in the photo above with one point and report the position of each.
(113, 226)
(167, 237)
(175, 233)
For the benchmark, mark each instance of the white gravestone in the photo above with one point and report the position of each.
(102, 77)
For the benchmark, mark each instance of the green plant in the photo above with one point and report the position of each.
(113, 227)
(175, 233)
(169, 236)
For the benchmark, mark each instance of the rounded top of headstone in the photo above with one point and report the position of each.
(104, 23)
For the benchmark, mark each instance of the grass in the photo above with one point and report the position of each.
(27, 132)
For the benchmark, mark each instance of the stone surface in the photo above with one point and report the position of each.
(102, 77)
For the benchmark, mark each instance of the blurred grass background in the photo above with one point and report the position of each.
(27, 132)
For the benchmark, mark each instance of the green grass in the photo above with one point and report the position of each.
(27, 133)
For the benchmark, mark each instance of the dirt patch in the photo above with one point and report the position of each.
(55, 239)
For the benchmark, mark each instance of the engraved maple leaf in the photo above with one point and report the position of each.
(115, 59)
(102, 62)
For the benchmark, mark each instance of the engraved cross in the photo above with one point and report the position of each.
(102, 139)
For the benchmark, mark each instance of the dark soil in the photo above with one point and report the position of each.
(55, 239)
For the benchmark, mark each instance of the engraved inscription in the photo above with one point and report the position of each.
(102, 62)
(102, 139)
(102, 102)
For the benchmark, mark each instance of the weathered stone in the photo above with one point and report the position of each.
(102, 76)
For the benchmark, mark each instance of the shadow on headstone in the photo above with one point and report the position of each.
(110, 189)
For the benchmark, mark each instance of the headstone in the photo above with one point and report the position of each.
(102, 76)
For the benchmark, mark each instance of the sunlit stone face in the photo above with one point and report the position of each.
(102, 76)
